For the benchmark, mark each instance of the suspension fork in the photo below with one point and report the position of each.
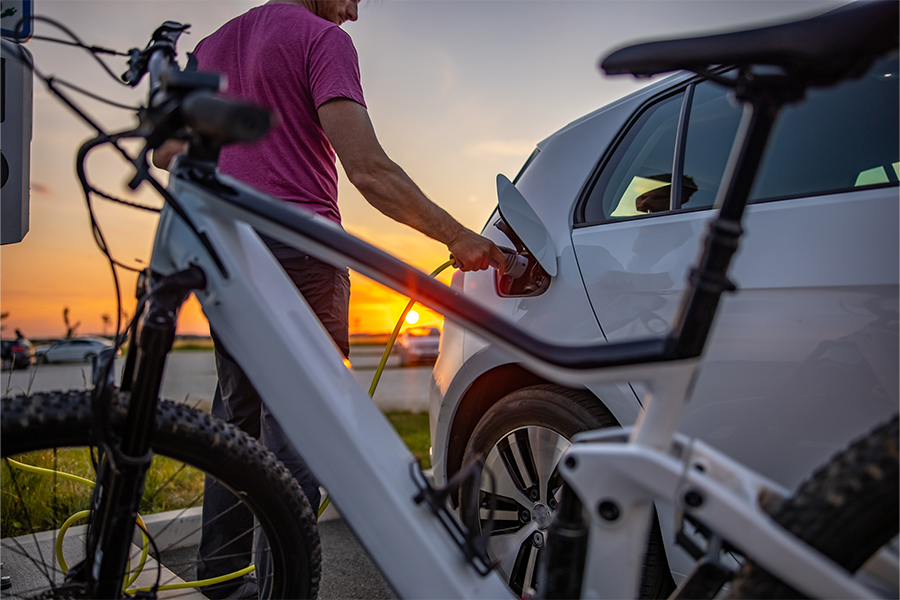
(125, 461)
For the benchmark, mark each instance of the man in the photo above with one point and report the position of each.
(292, 57)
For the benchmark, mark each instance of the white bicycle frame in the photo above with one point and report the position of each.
(366, 468)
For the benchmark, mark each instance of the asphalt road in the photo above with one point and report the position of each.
(190, 377)
(347, 571)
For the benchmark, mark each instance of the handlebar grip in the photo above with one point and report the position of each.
(225, 120)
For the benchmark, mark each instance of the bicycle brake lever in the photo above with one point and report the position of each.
(164, 39)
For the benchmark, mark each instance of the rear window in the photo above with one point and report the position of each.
(674, 153)
(838, 139)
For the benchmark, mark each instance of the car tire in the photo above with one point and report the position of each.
(522, 437)
(89, 358)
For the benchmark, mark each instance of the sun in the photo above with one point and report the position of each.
(412, 317)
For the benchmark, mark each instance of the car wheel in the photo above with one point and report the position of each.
(89, 358)
(522, 438)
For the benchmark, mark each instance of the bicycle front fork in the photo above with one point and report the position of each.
(126, 456)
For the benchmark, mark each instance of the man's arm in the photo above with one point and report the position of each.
(388, 188)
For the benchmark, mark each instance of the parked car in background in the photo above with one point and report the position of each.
(418, 345)
(17, 353)
(72, 350)
(802, 358)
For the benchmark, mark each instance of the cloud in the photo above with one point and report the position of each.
(500, 148)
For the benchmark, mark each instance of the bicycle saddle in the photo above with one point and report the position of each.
(818, 51)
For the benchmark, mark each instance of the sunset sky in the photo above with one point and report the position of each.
(458, 90)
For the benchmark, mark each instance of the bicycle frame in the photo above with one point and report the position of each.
(364, 465)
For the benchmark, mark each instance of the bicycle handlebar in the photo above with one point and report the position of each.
(224, 120)
(179, 99)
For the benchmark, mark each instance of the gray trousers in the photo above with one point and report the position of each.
(227, 537)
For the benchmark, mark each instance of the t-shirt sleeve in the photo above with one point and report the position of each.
(334, 68)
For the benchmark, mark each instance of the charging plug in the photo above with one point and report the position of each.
(516, 264)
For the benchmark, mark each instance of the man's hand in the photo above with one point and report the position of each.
(472, 252)
(165, 154)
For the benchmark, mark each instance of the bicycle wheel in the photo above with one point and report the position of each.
(848, 510)
(54, 430)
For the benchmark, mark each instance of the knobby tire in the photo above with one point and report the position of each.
(46, 421)
(848, 510)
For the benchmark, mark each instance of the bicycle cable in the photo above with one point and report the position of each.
(50, 82)
(140, 163)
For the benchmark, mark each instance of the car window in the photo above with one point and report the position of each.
(637, 178)
(837, 139)
(712, 125)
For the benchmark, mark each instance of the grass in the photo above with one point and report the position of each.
(33, 502)
(414, 429)
(192, 345)
(38, 502)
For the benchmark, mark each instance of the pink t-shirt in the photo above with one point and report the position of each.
(285, 58)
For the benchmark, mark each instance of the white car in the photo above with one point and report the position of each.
(802, 358)
(71, 350)
(418, 345)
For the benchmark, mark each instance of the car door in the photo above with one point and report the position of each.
(65, 351)
(804, 356)
(71, 350)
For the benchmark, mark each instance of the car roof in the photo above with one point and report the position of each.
(647, 91)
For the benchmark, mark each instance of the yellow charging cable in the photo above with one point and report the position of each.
(393, 338)
(60, 557)
(386, 355)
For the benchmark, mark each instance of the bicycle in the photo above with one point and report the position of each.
(205, 243)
